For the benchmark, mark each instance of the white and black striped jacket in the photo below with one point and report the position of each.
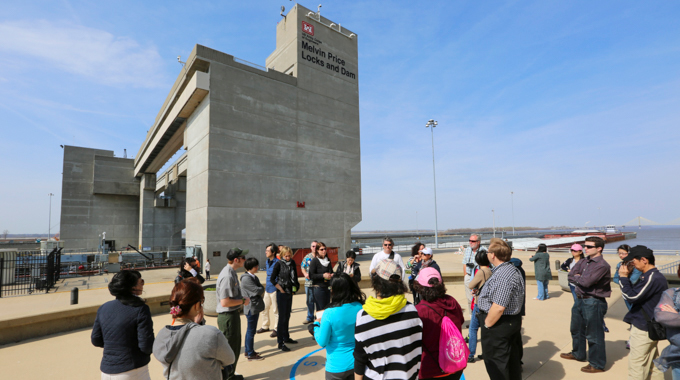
(390, 348)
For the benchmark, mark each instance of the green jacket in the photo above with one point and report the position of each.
(542, 266)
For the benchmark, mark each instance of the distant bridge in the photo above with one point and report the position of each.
(642, 221)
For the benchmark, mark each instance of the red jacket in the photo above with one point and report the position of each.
(429, 365)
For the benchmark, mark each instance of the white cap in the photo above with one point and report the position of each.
(426, 251)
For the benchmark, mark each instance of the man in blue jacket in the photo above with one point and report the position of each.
(643, 296)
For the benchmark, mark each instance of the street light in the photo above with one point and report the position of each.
(494, 222)
(432, 123)
(512, 202)
(49, 227)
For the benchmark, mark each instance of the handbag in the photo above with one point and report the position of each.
(655, 330)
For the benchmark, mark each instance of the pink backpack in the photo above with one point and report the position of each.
(453, 351)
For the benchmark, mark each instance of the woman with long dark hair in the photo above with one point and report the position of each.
(415, 263)
(321, 271)
(481, 275)
(434, 307)
(335, 329)
(123, 327)
(187, 348)
(542, 271)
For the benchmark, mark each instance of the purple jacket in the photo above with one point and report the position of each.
(592, 277)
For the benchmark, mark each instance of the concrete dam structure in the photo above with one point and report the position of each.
(271, 154)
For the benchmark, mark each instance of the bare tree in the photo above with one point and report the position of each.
(4, 234)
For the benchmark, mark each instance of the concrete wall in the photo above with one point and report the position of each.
(84, 214)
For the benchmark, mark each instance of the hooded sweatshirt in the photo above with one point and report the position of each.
(192, 351)
(432, 320)
(388, 336)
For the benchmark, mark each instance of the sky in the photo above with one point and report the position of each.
(571, 106)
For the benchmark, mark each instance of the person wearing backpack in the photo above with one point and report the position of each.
(441, 314)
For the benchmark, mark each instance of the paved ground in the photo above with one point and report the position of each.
(71, 355)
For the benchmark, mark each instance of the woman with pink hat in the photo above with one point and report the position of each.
(435, 305)
(568, 264)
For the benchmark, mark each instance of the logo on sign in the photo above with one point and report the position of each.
(308, 28)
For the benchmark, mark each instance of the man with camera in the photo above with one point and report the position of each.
(470, 264)
(643, 296)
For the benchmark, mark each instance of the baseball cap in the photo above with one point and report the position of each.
(426, 251)
(426, 274)
(387, 268)
(640, 251)
(576, 247)
(236, 252)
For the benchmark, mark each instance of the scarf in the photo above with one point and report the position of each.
(383, 308)
(324, 261)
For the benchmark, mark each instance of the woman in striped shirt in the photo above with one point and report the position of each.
(388, 330)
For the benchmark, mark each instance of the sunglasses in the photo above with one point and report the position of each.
(473, 241)
(322, 249)
(387, 245)
(589, 246)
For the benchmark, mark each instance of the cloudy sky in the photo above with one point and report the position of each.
(573, 106)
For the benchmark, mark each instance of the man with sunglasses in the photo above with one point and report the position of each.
(470, 264)
(387, 253)
(643, 296)
(592, 280)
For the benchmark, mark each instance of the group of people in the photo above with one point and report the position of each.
(384, 335)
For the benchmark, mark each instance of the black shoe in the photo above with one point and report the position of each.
(467, 339)
(471, 359)
(255, 356)
(237, 377)
(307, 321)
(283, 348)
(260, 331)
(480, 357)
(290, 341)
(273, 334)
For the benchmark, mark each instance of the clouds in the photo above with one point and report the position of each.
(94, 54)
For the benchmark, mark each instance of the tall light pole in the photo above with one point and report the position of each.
(431, 123)
(494, 222)
(49, 227)
(512, 202)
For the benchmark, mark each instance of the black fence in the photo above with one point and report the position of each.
(28, 272)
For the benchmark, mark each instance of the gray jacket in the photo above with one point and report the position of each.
(192, 352)
(252, 288)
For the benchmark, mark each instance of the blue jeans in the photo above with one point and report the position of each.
(676, 373)
(573, 291)
(587, 325)
(322, 297)
(250, 332)
(310, 303)
(542, 290)
(472, 332)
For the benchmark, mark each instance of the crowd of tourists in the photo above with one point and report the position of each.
(383, 335)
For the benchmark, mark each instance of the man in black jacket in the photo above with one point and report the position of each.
(643, 296)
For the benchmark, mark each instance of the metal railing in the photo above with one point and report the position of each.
(28, 272)
(670, 268)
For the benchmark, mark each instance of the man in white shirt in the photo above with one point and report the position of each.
(387, 253)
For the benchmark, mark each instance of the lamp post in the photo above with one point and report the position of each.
(512, 203)
(49, 227)
(431, 123)
(493, 212)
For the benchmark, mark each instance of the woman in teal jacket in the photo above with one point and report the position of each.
(542, 271)
(335, 330)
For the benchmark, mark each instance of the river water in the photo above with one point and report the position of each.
(657, 238)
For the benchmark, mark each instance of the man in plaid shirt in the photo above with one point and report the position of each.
(500, 303)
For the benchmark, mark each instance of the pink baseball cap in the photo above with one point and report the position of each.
(426, 274)
(576, 247)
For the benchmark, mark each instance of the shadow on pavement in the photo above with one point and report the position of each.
(539, 356)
